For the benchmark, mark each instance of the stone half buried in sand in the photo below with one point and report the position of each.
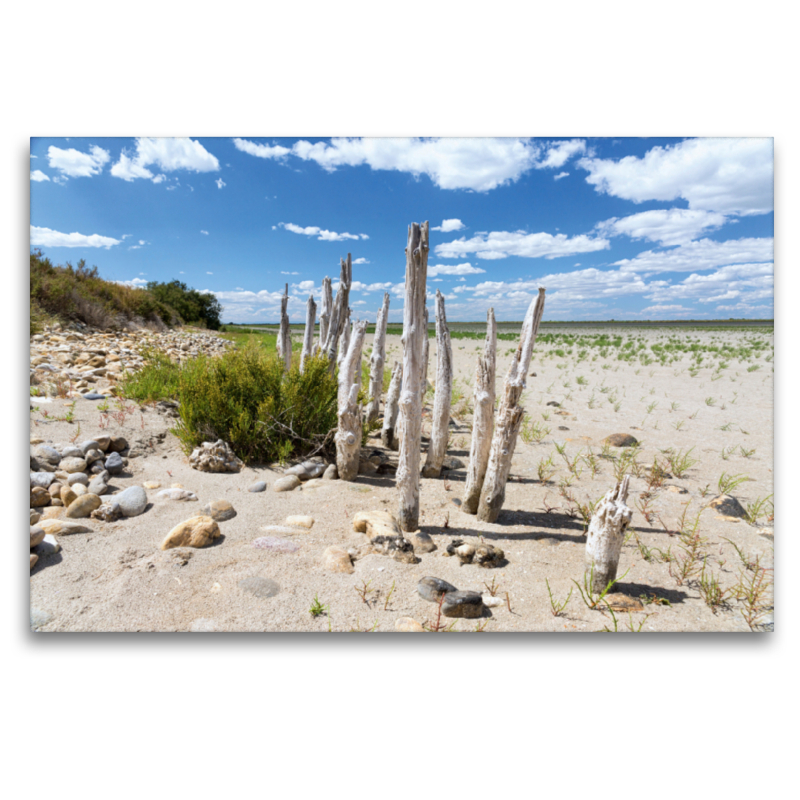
(484, 555)
(376, 523)
(219, 510)
(466, 605)
(195, 532)
(62, 527)
(337, 559)
(621, 440)
(215, 457)
(300, 521)
(728, 507)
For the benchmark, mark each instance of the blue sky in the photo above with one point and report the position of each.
(629, 228)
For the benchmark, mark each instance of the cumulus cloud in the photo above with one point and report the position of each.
(733, 176)
(135, 283)
(560, 176)
(38, 175)
(220, 183)
(205, 233)
(501, 244)
(74, 164)
(168, 154)
(209, 273)
(703, 254)
(261, 150)
(321, 234)
(449, 225)
(667, 226)
(361, 261)
(458, 269)
(558, 153)
(45, 237)
(748, 282)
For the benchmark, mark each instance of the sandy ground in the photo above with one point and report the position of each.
(116, 578)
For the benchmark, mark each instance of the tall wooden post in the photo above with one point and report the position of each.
(326, 304)
(348, 434)
(339, 310)
(285, 333)
(377, 360)
(308, 338)
(344, 338)
(414, 333)
(388, 433)
(425, 352)
(483, 421)
(509, 417)
(440, 424)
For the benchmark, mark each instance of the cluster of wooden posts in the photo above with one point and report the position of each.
(494, 435)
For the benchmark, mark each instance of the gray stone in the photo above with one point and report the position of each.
(40, 618)
(433, 588)
(286, 484)
(78, 477)
(90, 444)
(70, 451)
(132, 501)
(46, 453)
(93, 396)
(728, 507)
(331, 473)
(258, 486)
(258, 586)
(37, 535)
(176, 494)
(467, 605)
(114, 464)
(42, 479)
(97, 468)
(98, 487)
(95, 454)
(451, 462)
(72, 464)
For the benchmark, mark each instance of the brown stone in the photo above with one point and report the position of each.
(219, 510)
(195, 532)
(621, 602)
(376, 523)
(83, 506)
(39, 497)
(621, 440)
(337, 559)
(408, 625)
(34, 559)
(37, 535)
(68, 495)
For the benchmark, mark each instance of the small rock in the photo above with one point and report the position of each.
(408, 625)
(195, 532)
(398, 547)
(117, 444)
(79, 490)
(72, 464)
(40, 618)
(48, 546)
(103, 442)
(621, 602)
(215, 457)
(729, 507)
(331, 473)
(54, 512)
(93, 396)
(677, 490)
(70, 451)
(42, 479)
(176, 494)
(68, 495)
(376, 523)
(258, 586)
(300, 521)
(35, 517)
(451, 462)
(563, 428)
(60, 527)
(152, 484)
(276, 544)
(108, 512)
(286, 484)
(337, 559)
(314, 483)
(46, 453)
(492, 602)
(367, 468)
(114, 464)
(433, 588)
(554, 404)
(258, 486)
(39, 497)
(78, 477)
(93, 455)
(132, 501)
(456, 501)
(421, 542)
(83, 506)
(89, 444)
(97, 487)
(37, 535)
(466, 605)
(621, 440)
(219, 510)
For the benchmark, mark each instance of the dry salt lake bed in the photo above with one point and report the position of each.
(698, 401)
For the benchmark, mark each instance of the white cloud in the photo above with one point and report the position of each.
(135, 247)
(733, 176)
(560, 176)
(209, 273)
(45, 237)
(359, 303)
(459, 269)
(449, 225)
(289, 273)
(321, 234)
(358, 286)
(142, 241)
(361, 261)
(662, 309)
(204, 232)
(667, 226)
(305, 286)
(700, 255)
(38, 175)
(558, 153)
(220, 183)
(500, 244)
(74, 164)
(169, 154)
(750, 282)
(261, 150)
(136, 283)
(159, 178)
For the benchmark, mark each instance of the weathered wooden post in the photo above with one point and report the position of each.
(410, 417)
(388, 433)
(308, 338)
(344, 338)
(348, 434)
(509, 417)
(605, 536)
(483, 421)
(338, 311)
(377, 360)
(325, 311)
(285, 333)
(425, 351)
(440, 424)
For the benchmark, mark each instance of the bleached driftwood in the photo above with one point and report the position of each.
(414, 332)
(605, 536)
(388, 433)
(377, 361)
(509, 417)
(285, 333)
(425, 350)
(483, 421)
(440, 422)
(348, 434)
(326, 304)
(344, 338)
(308, 337)
(339, 311)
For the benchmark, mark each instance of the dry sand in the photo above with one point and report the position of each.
(117, 579)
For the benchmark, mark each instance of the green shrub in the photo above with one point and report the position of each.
(159, 380)
(245, 398)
